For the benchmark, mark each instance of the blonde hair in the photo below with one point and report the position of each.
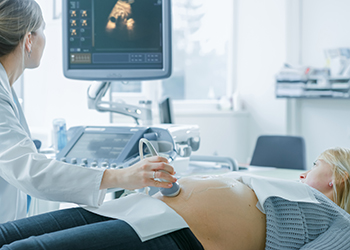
(17, 17)
(339, 158)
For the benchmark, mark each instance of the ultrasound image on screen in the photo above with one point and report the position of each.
(94, 146)
(127, 25)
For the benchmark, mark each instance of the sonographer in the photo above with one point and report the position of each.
(22, 169)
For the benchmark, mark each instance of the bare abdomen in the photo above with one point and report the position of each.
(220, 211)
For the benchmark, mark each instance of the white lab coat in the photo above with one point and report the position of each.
(24, 171)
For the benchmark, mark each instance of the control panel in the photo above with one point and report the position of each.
(113, 147)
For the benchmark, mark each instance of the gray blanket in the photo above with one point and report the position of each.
(300, 225)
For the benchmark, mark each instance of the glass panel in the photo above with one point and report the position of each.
(201, 30)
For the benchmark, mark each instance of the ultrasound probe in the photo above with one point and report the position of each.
(170, 192)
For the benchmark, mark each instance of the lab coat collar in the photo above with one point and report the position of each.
(4, 80)
(21, 117)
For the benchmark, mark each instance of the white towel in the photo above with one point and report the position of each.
(149, 217)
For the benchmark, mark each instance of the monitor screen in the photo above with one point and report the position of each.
(116, 39)
(94, 146)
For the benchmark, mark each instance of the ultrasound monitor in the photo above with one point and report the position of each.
(111, 40)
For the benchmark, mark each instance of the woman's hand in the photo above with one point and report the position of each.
(140, 175)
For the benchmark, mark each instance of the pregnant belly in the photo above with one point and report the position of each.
(220, 211)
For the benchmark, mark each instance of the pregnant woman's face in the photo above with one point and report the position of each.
(319, 177)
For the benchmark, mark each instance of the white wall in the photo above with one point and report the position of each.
(324, 122)
(325, 24)
(261, 53)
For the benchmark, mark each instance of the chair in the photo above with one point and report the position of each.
(280, 152)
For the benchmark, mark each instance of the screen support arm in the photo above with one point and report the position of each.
(97, 91)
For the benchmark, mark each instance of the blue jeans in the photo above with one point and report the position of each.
(75, 229)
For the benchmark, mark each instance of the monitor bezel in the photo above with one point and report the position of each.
(121, 74)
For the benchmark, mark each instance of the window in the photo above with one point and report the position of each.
(202, 30)
(202, 34)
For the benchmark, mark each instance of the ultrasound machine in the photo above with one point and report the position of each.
(120, 40)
